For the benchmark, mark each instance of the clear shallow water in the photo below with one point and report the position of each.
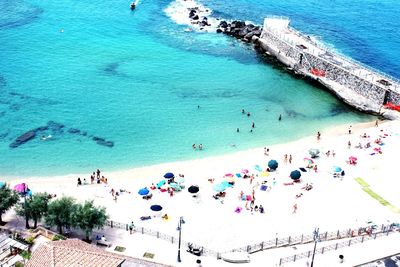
(137, 79)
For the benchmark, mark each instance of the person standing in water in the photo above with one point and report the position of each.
(280, 117)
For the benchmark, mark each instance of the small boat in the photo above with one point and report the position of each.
(133, 6)
(236, 257)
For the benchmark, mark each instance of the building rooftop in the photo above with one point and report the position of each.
(71, 253)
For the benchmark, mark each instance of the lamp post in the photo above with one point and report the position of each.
(316, 239)
(179, 228)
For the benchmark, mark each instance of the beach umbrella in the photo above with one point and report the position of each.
(245, 171)
(273, 164)
(20, 188)
(314, 152)
(295, 175)
(169, 175)
(2, 184)
(310, 162)
(219, 187)
(336, 169)
(226, 184)
(193, 189)
(143, 191)
(156, 208)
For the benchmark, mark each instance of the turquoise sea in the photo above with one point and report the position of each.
(137, 79)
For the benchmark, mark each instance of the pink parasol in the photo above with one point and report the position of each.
(20, 188)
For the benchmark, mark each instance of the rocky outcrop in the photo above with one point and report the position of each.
(23, 139)
(56, 129)
(240, 30)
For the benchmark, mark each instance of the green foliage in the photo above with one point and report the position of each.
(19, 264)
(26, 255)
(34, 207)
(87, 217)
(60, 213)
(58, 237)
(8, 198)
(30, 239)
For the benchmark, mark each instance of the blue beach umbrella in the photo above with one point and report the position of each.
(273, 164)
(156, 208)
(336, 169)
(169, 175)
(295, 175)
(226, 184)
(219, 187)
(143, 191)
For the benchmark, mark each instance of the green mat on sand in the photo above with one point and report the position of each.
(361, 182)
(376, 196)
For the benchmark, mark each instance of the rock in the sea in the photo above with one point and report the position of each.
(23, 139)
(55, 126)
(219, 30)
(74, 130)
(105, 143)
(196, 17)
(223, 24)
(96, 138)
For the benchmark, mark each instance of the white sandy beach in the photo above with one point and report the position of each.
(332, 204)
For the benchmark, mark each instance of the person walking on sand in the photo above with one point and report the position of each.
(290, 159)
(333, 153)
(376, 123)
(294, 208)
(349, 144)
(285, 159)
(318, 136)
(350, 129)
(131, 227)
(98, 173)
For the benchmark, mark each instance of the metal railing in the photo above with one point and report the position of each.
(353, 240)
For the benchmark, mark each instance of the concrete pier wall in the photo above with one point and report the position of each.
(355, 90)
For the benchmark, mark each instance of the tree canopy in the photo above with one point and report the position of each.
(87, 217)
(60, 213)
(34, 208)
(8, 198)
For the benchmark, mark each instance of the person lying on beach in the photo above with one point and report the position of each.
(299, 195)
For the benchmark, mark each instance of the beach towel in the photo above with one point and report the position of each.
(238, 175)
(238, 209)
(264, 174)
(288, 183)
(302, 169)
(263, 188)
